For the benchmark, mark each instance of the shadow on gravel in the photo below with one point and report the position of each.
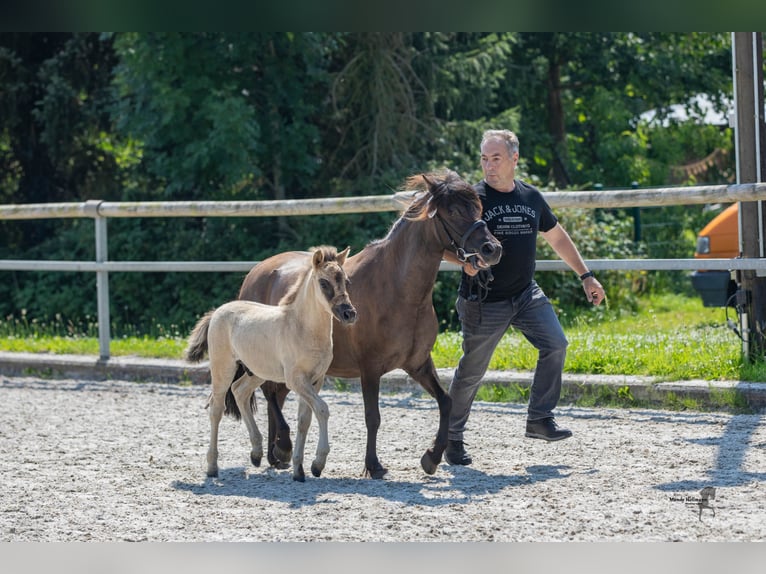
(461, 485)
(733, 445)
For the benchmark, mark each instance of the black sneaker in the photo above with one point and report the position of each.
(455, 453)
(546, 429)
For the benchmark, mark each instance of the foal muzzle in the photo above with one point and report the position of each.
(345, 313)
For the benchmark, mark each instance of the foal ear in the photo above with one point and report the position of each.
(318, 258)
(342, 255)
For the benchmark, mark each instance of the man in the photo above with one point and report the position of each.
(508, 296)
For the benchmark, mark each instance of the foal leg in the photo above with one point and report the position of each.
(304, 422)
(221, 374)
(216, 406)
(243, 389)
(310, 402)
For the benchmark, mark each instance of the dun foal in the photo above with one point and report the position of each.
(290, 342)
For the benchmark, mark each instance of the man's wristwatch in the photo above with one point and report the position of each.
(587, 274)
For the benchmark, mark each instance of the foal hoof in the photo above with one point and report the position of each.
(427, 462)
(256, 460)
(315, 470)
(299, 475)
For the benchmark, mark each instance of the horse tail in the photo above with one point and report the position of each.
(197, 347)
(230, 406)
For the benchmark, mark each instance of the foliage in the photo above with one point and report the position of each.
(598, 234)
(192, 116)
(582, 95)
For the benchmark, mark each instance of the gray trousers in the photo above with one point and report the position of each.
(533, 315)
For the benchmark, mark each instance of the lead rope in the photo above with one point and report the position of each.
(480, 282)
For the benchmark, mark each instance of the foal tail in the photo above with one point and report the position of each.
(197, 346)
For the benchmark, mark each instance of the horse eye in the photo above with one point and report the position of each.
(456, 212)
(326, 287)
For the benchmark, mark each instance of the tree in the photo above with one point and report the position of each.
(581, 94)
(54, 125)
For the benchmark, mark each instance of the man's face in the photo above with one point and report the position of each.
(498, 166)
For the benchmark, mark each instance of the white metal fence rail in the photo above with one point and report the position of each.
(100, 211)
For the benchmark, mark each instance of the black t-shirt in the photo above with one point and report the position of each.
(514, 218)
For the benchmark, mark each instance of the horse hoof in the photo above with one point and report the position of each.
(316, 471)
(256, 460)
(212, 473)
(427, 462)
(283, 443)
(299, 475)
(282, 455)
(376, 473)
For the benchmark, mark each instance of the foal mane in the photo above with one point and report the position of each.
(329, 253)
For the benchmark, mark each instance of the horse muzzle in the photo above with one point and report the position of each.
(488, 254)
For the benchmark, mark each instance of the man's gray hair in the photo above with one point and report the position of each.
(507, 136)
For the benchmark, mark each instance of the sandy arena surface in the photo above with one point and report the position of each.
(125, 461)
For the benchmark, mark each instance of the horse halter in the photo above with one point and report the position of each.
(459, 247)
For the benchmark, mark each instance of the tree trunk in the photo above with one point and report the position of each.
(556, 125)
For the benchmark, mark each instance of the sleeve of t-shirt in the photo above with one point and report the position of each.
(548, 219)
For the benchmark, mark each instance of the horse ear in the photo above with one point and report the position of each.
(342, 255)
(431, 209)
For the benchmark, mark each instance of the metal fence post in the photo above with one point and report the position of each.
(102, 278)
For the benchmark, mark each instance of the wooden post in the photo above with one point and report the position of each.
(750, 141)
(102, 278)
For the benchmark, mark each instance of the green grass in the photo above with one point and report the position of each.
(670, 336)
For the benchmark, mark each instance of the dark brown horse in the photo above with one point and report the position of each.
(391, 286)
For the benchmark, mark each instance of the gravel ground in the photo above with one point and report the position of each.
(124, 461)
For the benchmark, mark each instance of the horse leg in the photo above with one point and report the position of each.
(310, 402)
(243, 389)
(280, 447)
(371, 397)
(429, 380)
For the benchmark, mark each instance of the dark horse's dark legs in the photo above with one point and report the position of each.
(429, 380)
(279, 446)
(371, 397)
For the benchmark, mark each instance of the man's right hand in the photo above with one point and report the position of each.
(469, 269)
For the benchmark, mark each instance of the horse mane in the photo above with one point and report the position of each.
(439, 189)
(436, 189)
(329, 253)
